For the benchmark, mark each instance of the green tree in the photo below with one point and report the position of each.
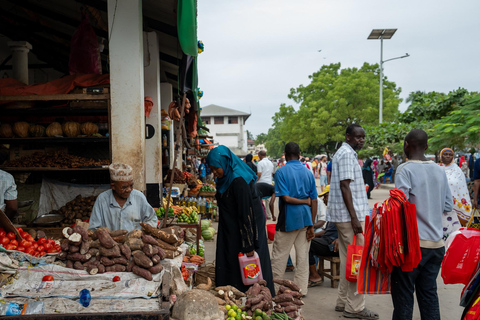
(250, 135)
(460, 128)
(261, 138)
(334, 99)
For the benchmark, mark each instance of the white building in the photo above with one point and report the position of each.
(227, 126)
(260, 147)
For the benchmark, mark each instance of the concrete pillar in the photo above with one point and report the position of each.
(166, 91)
(20, 51)
(153, 144)
(126, 82)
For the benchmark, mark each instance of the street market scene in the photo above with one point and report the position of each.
(239, 160)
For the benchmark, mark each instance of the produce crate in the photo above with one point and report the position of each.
(207, 194)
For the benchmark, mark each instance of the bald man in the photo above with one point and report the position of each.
(425, 185)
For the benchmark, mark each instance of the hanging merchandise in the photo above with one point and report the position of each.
(84, 50)
(148, 106)
(201, 46)
(391, 240)
(200, 94)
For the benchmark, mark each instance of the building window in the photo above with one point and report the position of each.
(218, 120)
(206, 120)
(232, 120)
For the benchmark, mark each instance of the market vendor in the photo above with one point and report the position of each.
(8, 194)
(121, 207)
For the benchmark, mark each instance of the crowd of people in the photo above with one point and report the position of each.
(324, 222)
(316, 223)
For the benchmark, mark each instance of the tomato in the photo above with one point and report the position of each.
(35, 246)
(47, 278)
(30, 251)
(2, 233)
(29, 238)
(25, 243)
(36, 254)
(22, 249)
(51, 250)
(42, 240)
(42, 253)
(14, 242)
(24, 234)
(11, 235)
(58, 248)
(10, 247)
(20, 230)
(4, 241)
(51, 241)
(116, 278)
(47, 246)
(40, 248)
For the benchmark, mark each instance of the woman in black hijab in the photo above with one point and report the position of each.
(248, 161)
(368, 176)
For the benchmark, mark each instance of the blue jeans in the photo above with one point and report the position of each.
(422, 280)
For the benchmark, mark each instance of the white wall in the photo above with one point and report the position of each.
(231, 135)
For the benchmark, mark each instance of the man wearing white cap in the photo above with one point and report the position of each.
(121, 207)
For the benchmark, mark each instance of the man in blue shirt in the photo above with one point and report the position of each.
(297, 193)
(121, 207)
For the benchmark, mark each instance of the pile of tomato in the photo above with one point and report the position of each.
(28, 245)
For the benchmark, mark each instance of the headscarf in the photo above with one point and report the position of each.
(446, 149)
(367, 165)
(462, 160)
(233, 167)
(248, 158)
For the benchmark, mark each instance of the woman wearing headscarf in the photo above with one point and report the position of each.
(241, 227)
(250, 164)
(462, 205)
(368, 176)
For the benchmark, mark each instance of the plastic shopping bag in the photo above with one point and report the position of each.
(354, 259)
(462, 257)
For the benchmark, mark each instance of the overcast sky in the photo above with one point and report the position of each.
(256, 50)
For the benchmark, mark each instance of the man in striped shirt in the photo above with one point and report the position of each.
(8, 194)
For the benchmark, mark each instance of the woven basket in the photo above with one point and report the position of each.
(207, 271)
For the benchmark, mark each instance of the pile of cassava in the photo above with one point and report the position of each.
(103, 250)
(288, 298)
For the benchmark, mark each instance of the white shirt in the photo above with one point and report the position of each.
(266, 168)
(345, 167)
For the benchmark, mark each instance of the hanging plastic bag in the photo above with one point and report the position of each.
(84, 50)
(354, 259)
(462, 257)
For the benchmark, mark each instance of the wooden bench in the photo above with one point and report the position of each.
(333, 273)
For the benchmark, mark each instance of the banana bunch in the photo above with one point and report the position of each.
(188, 211)
(165, 202)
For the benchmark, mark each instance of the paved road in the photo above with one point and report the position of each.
(320, 301)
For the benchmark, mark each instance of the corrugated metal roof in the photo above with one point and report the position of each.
(215, 110)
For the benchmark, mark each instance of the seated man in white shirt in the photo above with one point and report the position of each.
(121, 207)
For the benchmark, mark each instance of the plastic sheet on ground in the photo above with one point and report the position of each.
(69, 282)
(64, 305)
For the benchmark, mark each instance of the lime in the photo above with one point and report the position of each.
(238, 317)
(258, 312)
(234, 314)
(258, 318)
(228, 307)
(234, 307)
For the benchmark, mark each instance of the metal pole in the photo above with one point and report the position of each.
(380, 111)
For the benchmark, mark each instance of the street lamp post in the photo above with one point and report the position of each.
(383, 34)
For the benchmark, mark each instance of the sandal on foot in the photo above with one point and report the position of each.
(314, 283)
(364, 314)
(339, 308)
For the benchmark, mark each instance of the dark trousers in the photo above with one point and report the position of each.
(319, 247)
(422, 280)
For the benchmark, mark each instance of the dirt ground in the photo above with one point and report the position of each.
(320, 301)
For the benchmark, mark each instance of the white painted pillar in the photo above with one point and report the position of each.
(153, 144)
(127, 126)
(166, 91)
(20, 51)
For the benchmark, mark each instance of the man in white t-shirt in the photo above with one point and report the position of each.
(265, 170)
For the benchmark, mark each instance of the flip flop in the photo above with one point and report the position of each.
(314, 283)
